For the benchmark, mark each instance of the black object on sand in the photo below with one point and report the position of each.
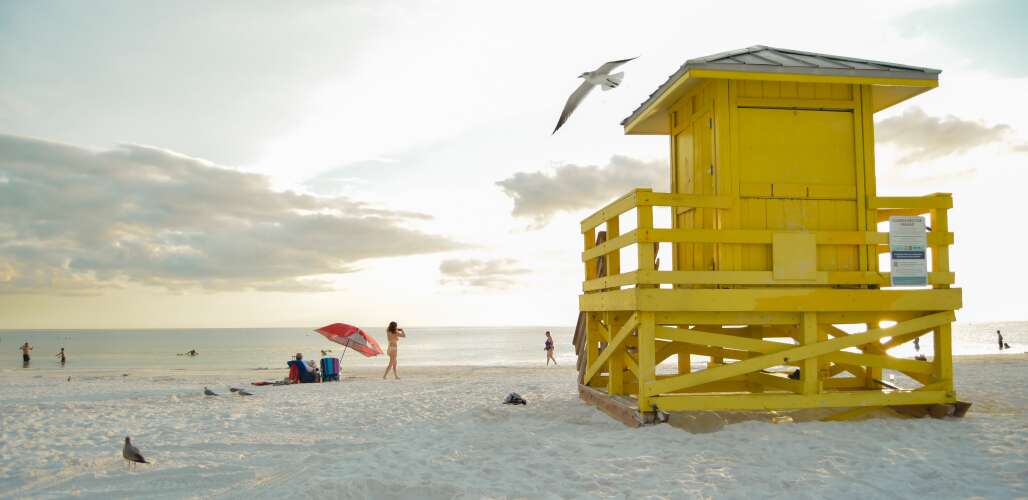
(514, 399)
(242, 392)
(208, 392)
(234, 389)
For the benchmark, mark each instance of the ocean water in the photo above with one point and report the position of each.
(257, 348)
(270, 348)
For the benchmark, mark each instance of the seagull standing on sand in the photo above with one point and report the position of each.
(602, 77)
(131, 453)
(208, 392)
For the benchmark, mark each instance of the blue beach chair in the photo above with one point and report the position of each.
(329, 369)
(298, 373)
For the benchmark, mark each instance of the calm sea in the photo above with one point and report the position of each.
(437, 346)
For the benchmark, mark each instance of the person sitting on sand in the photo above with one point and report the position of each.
(549, 350)
(25, 348)
(61, 355)
(394, 333)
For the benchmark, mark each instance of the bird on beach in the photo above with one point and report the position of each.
(131, 453)
(600, 76)
(208, 392)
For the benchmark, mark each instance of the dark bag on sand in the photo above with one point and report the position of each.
(514, 399)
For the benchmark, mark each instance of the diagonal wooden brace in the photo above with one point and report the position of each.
(788, 355)
(613, 346)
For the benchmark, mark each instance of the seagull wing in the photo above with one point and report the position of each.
(131, 453)
(607, 67)
(573, 102)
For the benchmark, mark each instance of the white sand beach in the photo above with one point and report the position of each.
(442, 433)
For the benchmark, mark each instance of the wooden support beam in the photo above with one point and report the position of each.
(809, 374)
(647, 369)
(730, 402)
(770, 300)
(613, 346)
(794, 354)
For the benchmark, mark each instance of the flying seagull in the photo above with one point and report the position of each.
(131, 453)
(602, 77)
(208, 392)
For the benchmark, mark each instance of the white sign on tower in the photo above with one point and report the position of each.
(908, 243)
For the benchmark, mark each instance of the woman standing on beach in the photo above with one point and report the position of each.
(549, 350)
(394, 333)
(61, 355)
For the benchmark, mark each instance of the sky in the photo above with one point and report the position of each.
(261, 164)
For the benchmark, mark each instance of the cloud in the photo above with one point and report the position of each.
(569, 188)
(78, 220)
(925, 137)
(491, 273)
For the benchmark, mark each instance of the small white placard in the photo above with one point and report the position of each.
(908, 242)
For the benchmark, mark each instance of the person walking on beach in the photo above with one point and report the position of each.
(61, 355)
(25, 358)
(394, 333)
(1000, 335)
(549, 350)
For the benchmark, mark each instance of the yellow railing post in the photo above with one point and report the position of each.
(614, 257)
(647, 356)
(616, 361)
(590, 242)
(940, 253)
(943, 361)
(873, 373)
(809, 371)
(644, 218)
(592, 348)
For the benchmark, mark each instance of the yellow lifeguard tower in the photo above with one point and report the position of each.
(772, 228)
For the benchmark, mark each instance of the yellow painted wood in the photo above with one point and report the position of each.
(611, 245)
(805, 351)
(937, 200)
(794, 256)
(809, 375)
(757, 159)
(772, 299)
(612, 347)
(733, 402)
(647, 354)
(613, 258)
(850, 414)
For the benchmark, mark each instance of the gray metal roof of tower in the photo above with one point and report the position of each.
(764, 59)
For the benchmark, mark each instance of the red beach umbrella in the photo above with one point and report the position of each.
(352, 337)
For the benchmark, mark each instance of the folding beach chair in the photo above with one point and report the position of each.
(298, 373)
(329, 369)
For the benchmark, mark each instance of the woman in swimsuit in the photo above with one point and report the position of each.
(394, 333)
(549, 350)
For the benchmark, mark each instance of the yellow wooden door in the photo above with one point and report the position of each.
(684, 183)
(798, 173)
(705, 180)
